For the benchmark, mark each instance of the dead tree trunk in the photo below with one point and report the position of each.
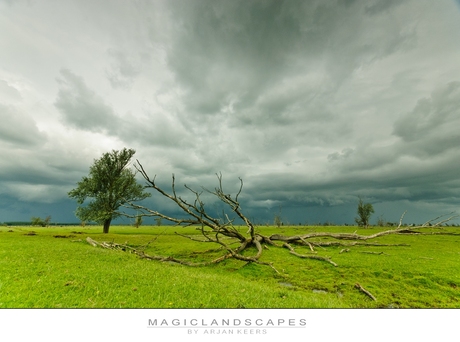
(250, 244)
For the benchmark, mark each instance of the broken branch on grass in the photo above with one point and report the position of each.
(356, 243)
(308, 256)
(363, 290)
(143, 255)
(358, 237)
(378, 253)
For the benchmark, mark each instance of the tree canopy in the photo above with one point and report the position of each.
(110, 184)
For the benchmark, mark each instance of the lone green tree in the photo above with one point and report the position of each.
(365, 210)
(109, 185)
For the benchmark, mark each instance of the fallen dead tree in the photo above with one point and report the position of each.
(247, 244)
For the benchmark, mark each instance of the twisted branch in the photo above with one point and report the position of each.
(213, 229)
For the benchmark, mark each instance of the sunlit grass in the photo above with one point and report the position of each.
(43, 271)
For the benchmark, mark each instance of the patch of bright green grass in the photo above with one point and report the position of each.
(44, 271)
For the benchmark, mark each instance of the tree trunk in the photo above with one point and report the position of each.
(107, 225)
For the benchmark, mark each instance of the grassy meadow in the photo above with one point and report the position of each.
(56, 268)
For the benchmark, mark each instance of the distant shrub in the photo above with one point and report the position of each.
(38, 221)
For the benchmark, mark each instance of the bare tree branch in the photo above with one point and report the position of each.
(308, 256)
(248, 247)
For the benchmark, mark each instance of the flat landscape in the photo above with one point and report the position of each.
(55, 267)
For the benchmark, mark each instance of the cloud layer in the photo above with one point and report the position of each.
(312, 103)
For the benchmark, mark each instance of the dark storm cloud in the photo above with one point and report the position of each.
(241, 49)
(432, 127)
(266, 73)
(419, 183)
(420, 167)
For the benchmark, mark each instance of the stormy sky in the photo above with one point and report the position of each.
(312, 103)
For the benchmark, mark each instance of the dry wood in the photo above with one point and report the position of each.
(92, 242)
(356, 243)
(378, 253)
(363, 290)
(247, 245)
(308, 256)
(309, 244)
(143, 255)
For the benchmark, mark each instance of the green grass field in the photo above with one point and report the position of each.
(44, 271)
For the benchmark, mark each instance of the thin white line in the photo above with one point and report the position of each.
(225, 327)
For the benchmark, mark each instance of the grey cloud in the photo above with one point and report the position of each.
(431, 127)
(81, 107)
(124, 69)
(378, 6)
(18, 128)
(404, 181)
(272, 68)
(424, 153)
(9, 92)
(248, 49)
(35, 192)
(230, 47)
(39, 166)
(347, 3)
(37, 174)
(155, 129)
(342, 155)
